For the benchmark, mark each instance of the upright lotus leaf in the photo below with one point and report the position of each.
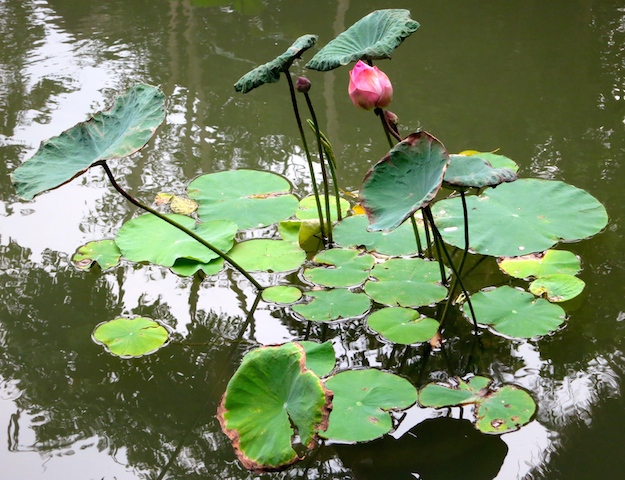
(541, 264)
(497, 411)
(406, 282)
(375, 36)
(308, 208)
(352, 232)
(115, 133)
(270, 71)
(282, 294)
(362, 401)
(264, 255)
(271, 393)
(526, 216)
(402, 325)
(319, 357)
(515, 313)
(103, 252)
(250, 198)
(404, 181)
(330, 305)
(131, 337)
(475, 172)
(149, 239)
(558, 287)
(344, 268)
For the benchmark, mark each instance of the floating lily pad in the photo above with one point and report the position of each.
(402, 325)
(103, 252)
(475, 172)
(345, 268)
(249, 198)
(497, 411)
(271, 393)
(115, 133)
(270, 71)
(362, 401)
(526, 216)
(330, 305)
(515, 313)
(186, 267)
(263, 255)
(494, 159)
(558, 287)
(372, 37)
(284, 294)
(131, 337)
(149, 239)
(319, 357)
(308, 208)
(404, 181)
(352, 232)
(406, 282)
(541, 264)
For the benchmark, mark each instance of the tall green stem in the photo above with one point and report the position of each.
(308, 157)
(192, 234)
(415, 229)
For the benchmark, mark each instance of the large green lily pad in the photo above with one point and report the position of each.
(473, 171)
(250, 198)
(541, 264)
(558, 287)
(515, 313)
(115, 133)
(362, 400)
(103, 252)
(270, 71)
(406, 282)
(404, 181)
(131, 337)
(402, 325)
(372, 37)
(264, 255)
(271, 393)
(330, 305)
(344, 268)
(149, 239)
(497, 411)
(352, 232)
(526, 216)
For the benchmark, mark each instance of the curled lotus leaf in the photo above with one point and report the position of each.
(186, 267)
(473, 171)
(405, 180)
(270, 71)
(374, 36)
(120, 131)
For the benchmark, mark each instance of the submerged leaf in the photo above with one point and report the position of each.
(131, 337)
(115, 133)
(374, 36)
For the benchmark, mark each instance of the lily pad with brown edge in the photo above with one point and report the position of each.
(340, 268)
(406, 282)
(319, 357)
(403, 326)
(515, 313)
(352, 232)
(497, 410)
(362, 402)
(118, 132)
(266, 255)
(405, 180)
(331, 305)
(281, 294)
(473, 171)
(131, 337)
(270, 397)
(557, 287)
(374, 36)
(249, 198)
(541, 264)
(270, 71)
(103, 252)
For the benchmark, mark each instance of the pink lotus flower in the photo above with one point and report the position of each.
(369, 87)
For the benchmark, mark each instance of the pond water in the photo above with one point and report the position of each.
(544, 82)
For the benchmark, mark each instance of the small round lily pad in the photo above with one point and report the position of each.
(283, 294)
(336, 304)
(131, 337)
(265, 255)
(402, 325)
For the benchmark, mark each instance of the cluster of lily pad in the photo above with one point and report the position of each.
(379, 268)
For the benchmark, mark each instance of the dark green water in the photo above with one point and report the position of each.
(542, 81)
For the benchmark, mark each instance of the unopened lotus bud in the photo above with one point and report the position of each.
(369, 87)
(391, 118)
(302, 84)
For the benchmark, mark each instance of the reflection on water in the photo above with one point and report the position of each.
(544, 83)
